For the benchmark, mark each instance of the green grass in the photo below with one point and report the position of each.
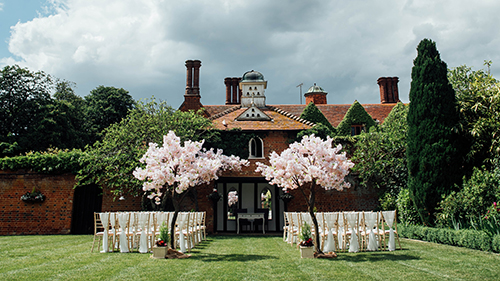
(68, 257)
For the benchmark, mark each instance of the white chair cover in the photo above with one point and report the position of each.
(371, 221)
(182, 224)
(353, 220)
(294, 229)
(341, 230)
(123, 220)
(389, 219)
(112, 222)
(331, 219)
(143, 224)
(105, 222)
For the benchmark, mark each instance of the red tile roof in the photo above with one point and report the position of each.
(333, 112)
(280, 120)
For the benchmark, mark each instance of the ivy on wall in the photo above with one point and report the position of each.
(47, 162)
(356, 115)
(232, 142)
(313, 114)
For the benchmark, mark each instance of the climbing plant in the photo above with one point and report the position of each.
(356, 115)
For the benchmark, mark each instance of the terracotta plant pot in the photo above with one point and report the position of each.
(159, 252)
(306, 252)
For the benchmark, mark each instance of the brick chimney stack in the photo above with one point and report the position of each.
(389, 92)
(192, 95)
(233, 93)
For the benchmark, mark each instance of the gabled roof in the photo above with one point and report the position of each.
(333, 112)
(225, 117)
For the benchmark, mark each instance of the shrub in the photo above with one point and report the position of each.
(468, 238)
(406, 210)
(495, 243)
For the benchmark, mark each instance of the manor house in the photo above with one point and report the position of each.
(245, 108)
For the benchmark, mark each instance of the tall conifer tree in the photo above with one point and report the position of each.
(433, 156)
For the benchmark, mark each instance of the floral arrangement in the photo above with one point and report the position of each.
(214, 196)
(33, 196)
(287, 196)
(305, 235)
(164, 236)
(232, 198)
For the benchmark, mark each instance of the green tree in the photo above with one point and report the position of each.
(73, 107)
(106, 106)
(434, 161)
(380, 156)
(112, 160)
(478, 96)
(24, 97)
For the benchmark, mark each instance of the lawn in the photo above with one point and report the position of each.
(68, 257)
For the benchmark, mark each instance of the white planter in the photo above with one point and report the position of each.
(306, 252)
(159, 252)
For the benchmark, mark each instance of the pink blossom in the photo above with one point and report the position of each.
(310, 160)
(182, 166)
(232, 198)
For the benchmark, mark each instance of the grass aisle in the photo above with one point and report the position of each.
(68, 257)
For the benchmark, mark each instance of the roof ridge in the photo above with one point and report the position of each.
(291, 116)
(227, 111)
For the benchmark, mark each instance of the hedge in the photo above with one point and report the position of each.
(468, 238)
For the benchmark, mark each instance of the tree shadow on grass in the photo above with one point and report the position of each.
(230, 257)
(374, 257)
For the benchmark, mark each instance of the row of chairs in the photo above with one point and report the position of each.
(352, 231)
(128, 231)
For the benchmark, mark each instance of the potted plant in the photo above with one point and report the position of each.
(162, 245)
(306, 244)
(34, 196)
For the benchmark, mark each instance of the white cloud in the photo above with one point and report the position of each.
(343, 46)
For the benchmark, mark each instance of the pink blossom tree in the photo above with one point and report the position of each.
(176, 168)
(306, 165)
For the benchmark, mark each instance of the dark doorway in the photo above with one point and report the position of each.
(86, 201)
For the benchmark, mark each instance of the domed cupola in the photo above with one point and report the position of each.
(316, 95)
(252, 76)
(252, 87)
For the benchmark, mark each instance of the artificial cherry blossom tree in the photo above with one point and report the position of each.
(312, 162)
(176, 168)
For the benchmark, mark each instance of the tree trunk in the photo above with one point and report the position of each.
(177, 204)
(174, 220)
(313, 216)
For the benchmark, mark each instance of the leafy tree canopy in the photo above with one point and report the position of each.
(113, 159)
(106, 106)
(478, 96)
(24, 95)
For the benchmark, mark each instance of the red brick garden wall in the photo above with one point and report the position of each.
(53, 216)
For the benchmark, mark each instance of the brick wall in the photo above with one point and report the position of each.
(53, 216)
(112, 204)
(355, 198)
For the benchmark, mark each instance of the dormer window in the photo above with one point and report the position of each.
(357, 129)
(256, 148)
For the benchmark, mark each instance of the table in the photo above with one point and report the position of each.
(251, 217)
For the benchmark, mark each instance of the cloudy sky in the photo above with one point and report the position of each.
(343, 46)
